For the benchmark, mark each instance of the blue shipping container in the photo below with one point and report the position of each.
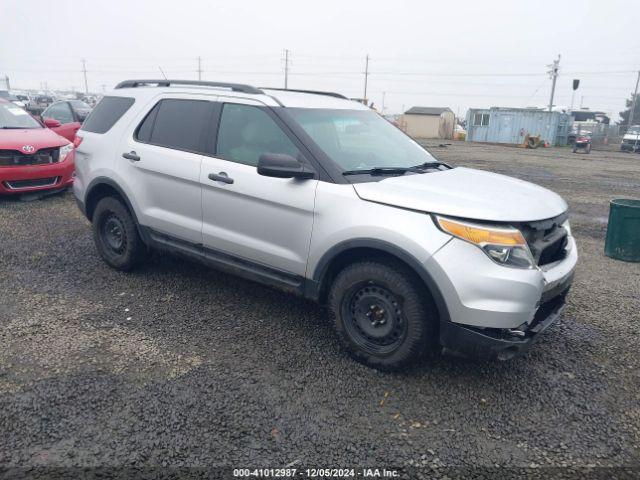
(511, 125)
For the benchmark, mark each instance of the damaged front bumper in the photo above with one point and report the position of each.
(503, 344)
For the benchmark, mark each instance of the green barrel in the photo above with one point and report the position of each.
(623, 231)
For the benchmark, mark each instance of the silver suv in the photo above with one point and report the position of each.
(318, 195)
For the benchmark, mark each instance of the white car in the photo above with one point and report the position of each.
(631, 140)
(318, 195)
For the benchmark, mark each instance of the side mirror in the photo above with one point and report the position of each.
(282, 166)
(51, 123)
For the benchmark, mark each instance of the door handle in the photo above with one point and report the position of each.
(220, 177)
(133, 156)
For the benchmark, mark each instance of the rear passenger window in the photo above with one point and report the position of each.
(246, 132)
(176, 124)
(106, 113)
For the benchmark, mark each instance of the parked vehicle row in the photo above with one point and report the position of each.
(318, 195)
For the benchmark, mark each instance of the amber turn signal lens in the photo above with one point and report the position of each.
(482, 235)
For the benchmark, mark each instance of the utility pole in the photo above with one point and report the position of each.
(84, 70)
(553, 74)
(633, 103)
(366, 77)
(199, 68)
(6, 78)
(286, 68)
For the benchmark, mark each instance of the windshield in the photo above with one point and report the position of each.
(634, 131)
(360, 139)
(12, 116)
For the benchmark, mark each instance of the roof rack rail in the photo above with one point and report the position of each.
(315, 92)
(236, 87)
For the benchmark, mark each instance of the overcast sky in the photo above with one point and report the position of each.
(458, 54)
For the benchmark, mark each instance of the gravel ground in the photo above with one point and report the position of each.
(177, 365)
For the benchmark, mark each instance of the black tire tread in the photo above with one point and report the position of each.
(418, 307)
(136, 252)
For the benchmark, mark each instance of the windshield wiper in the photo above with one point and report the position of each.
(396, 170)
(377, 171)
(15, 128)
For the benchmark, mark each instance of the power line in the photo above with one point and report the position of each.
(323, 72)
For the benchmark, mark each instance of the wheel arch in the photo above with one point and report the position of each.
(350, 251)
(102, 187)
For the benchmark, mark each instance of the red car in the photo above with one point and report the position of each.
(66, 117)
(32, 157)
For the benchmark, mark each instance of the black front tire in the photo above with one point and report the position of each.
(116, 236)
(364, 289)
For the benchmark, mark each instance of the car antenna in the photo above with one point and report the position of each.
(165, 77)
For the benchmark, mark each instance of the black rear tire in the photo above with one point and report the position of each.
(116, 236)
(382, 314)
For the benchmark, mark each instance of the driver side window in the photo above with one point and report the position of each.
(246, 132)
(60, 112)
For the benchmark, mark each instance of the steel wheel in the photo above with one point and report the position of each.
(114, 234)
(374, 318)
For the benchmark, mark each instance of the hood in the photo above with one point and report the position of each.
(467, 193)
(38, 138)
(631, 136)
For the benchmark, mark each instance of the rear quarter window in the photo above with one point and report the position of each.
(177, 124)
(106, 114)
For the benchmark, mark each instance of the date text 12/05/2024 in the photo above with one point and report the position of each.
(316, 472)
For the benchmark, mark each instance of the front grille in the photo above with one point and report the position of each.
(547, 239)
(630, 141)
(554, 252)
(14, 158)
(37, 182)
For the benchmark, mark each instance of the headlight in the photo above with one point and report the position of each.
(64, 151)
(504, 245)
